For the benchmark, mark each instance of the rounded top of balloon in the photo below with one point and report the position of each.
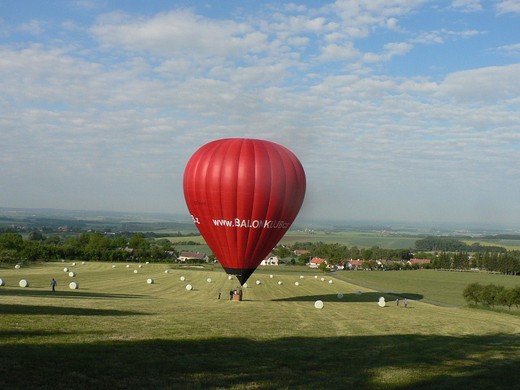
(243, 195)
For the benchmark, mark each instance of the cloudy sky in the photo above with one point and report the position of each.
(399, 110)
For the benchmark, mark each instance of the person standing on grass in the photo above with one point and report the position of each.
(397, 302)
(405, 302)
(54, 283)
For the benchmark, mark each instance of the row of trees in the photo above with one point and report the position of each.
(448, 244)
(503, 262)
(491, 295)
(86, 246)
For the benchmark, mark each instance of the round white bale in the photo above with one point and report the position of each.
(271, 276)
(296, 283)
(83, 262)
(150, 281)
(381, 302)
(17, 266)
(73, 264)
(72, 274)
(166, 271)
(340, 296)
(189, 287)
(322, 279)
(140, 266)
(2, 282)
(229, 277)
(315, 276)
(280, 282)
(183, 278)
(318, 304)
(65, 269)
(245, 285)
(330, 281)
(73, 285)
(128, 266)
(301, 276)
(208, 280)
(113, 266)
(135, 271)
(258, 282)
(24, 283)
(147, 262)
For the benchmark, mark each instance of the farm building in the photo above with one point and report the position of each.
(193, 256)
(271, 260)
(316, 261)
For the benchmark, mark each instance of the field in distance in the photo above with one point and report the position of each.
(119, 331)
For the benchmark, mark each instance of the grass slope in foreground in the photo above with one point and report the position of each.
(117, 331)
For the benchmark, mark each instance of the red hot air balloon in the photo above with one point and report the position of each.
(243, 195)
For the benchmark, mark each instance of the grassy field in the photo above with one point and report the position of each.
(118, 331)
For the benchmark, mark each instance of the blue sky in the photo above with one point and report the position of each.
(398, 110)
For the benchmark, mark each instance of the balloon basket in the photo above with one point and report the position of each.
(237, 297)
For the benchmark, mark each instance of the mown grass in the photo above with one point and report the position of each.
(437, 286)
(117, 331)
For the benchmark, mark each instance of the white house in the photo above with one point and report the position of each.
(193, 256)
(271, 260)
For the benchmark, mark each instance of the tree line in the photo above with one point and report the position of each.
(448, 244)
(86, 246)
(491, 295)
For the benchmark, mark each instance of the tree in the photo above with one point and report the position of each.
(472, 293)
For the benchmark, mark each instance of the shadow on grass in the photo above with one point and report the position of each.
(364, 297)
(60, 310)
(63, 294)
(361, 362)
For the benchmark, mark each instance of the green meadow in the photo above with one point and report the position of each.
(118, 331)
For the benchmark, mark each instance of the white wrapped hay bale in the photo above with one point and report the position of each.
(24, 283)
(166, 272)
(318, 304)
(280, 282)
(65, 269)
(189, 287)
(128, 266)
(296, 283)
(182, 278)
(135, 271)
(245, 285)
(322, 279)
(140, 266)
(150, 281)
(2, 282)
(113, 266)
(83, 263)
(208, 280)
(301, 276)
(258, 282)
(271, 276)
(72, 274)
(381, 302)
(229, 277)
(330, 281)
(73, 264)
(17, 266)
(73, 285)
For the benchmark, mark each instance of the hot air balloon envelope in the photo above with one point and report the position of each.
(243, 195)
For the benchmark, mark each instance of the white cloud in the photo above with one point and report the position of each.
(491, 84)
(179, 32)
(467, 5)
(508, 6)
